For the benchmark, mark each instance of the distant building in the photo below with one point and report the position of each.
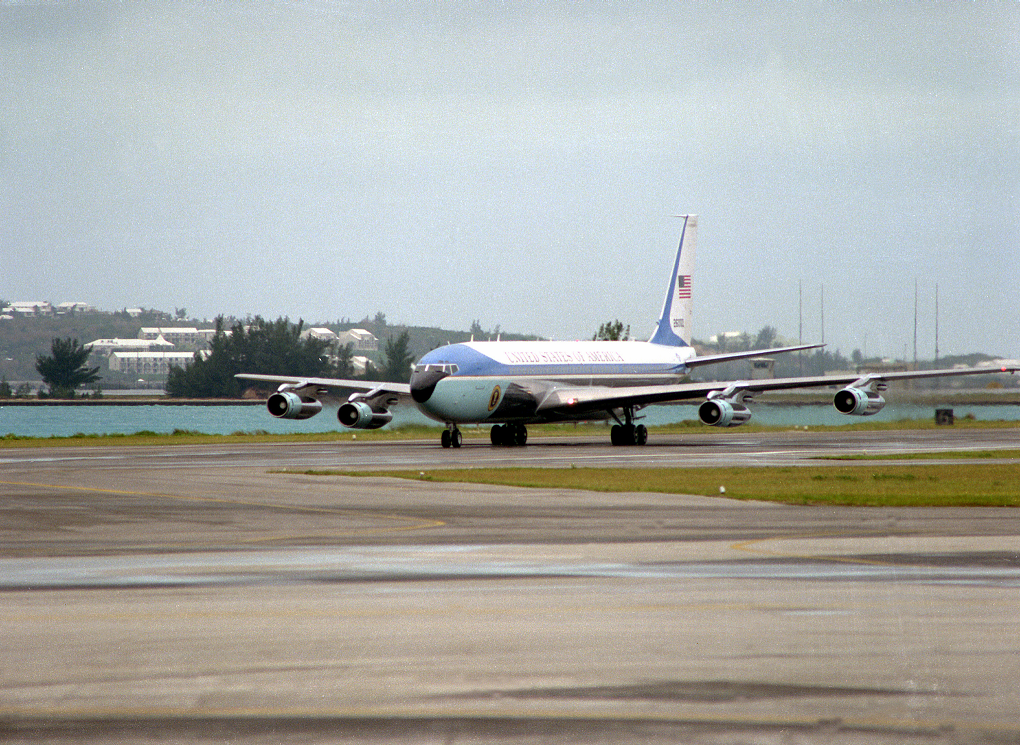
(763, 368)
(360, 364)
(148, 363)
(32, 308)
(726, 336)
(320, 332)
(363, 341)
(105, 346)
(134, 312)
(182, 336)
(71, 307)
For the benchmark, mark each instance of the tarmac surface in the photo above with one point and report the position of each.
(199, 594)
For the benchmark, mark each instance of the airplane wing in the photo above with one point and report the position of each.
(301, 398)
(330, 387)
(575, 399)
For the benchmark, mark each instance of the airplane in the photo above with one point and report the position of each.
(511, 384)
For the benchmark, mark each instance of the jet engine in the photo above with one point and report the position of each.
(289, 405)
(720, 412)
(858, 402)
(360, 415)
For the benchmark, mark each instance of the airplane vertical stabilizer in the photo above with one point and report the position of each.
(674, 326)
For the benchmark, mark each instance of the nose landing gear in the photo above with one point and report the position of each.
(451, 437)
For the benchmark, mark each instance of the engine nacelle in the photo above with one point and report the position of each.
(359, 415)
(857, 402)
(289, 405)
(718, 412)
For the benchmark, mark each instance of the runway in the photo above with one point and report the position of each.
(196, 593)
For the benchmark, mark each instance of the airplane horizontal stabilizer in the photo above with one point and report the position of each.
(712, 359)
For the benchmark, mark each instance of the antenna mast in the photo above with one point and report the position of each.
(915, 323)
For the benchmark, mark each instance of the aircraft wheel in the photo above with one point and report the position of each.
(508, 435)
(520, 435)
(447, 438)
(625, 434)
(456, 438)
(640, 434)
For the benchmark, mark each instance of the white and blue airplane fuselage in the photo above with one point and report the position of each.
(502, 382)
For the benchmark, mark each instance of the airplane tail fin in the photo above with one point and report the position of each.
(674, 326)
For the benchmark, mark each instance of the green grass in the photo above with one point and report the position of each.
(955, 455)
(968, 485)
(192, 437)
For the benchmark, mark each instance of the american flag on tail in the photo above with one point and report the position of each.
(683, 286)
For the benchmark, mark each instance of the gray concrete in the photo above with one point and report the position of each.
(188, 594)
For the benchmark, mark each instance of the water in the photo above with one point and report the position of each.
(64, 421)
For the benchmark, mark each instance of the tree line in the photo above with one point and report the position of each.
(274, 348)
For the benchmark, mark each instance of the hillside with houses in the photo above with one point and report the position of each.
(136, 347)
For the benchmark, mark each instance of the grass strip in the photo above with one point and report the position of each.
(967, 485)
(193, 437)
(955, 455)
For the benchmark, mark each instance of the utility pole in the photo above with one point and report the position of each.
(821, 357)
(800, 324)
(823, 313)
(937, 381)
(915, 323)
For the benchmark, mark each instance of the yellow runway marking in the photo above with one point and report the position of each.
(752, 547)
(625, 713)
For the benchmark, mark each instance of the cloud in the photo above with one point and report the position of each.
(348, 158)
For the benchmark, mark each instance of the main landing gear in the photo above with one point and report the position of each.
(627, 433)
(508, 435)
(504, 435)
(452, 437)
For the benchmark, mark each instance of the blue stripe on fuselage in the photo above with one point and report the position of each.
(554, 362)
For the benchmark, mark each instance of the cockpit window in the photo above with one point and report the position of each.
(448, 368)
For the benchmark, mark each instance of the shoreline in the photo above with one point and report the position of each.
(963, 397)
(132, 401)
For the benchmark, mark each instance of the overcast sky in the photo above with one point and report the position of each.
(521, 163)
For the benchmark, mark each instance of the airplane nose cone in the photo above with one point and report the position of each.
(423, 383)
